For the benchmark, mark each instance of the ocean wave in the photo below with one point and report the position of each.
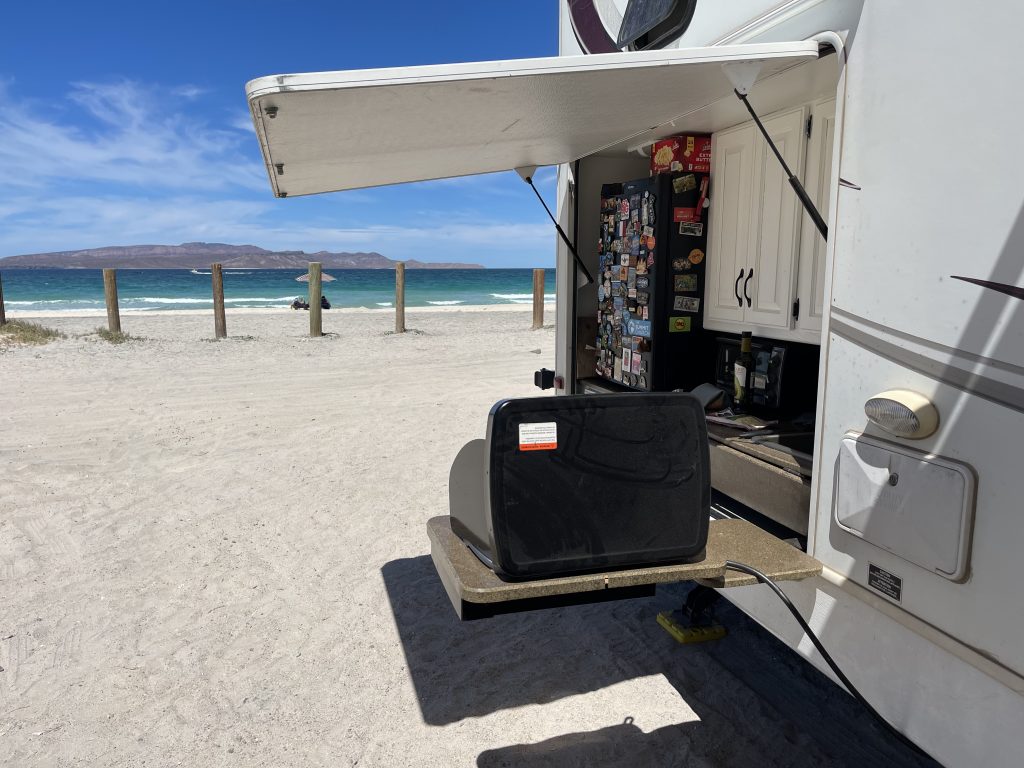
(383, 303)
(517, 296)
(261, 298)
(198, 300)
(167, 300)
(51, 301)
(444, 303)
(197, 272)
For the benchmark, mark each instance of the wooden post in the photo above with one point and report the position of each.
(220, 325)
(3, 315)
(110, 294)
(538, 299)
(316, 327)
(400, 297)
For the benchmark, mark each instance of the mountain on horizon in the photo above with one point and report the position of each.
(202, 255)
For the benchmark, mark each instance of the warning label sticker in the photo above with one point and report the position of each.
(540, 436)
(888, 584)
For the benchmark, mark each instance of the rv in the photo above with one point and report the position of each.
(901, 123)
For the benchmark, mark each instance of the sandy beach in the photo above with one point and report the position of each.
(214, 554)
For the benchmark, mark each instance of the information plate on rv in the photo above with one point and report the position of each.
(888, 584)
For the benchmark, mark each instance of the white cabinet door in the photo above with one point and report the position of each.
(729, 235)
(817, 181)
(768, 295)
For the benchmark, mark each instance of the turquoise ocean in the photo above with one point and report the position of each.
(69, 290)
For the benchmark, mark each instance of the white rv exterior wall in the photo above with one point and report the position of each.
(928, 125)
(934, 141)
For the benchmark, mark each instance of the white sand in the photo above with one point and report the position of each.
(213, 554)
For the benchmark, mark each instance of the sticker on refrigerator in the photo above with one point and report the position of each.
(642, 281)
(681, 265)
(684, 183)
(693, 228)
(636, 327)
(685, 283)
(696, 256)
(538, 436)
(685, 214)
(678, 325)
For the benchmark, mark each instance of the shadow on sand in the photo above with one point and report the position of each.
(748, 690)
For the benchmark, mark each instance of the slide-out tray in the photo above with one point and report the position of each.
(476, 592)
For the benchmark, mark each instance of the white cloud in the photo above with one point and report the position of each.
(137, 142)
(189, 91)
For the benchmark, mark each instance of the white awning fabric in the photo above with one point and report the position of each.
(331, 131)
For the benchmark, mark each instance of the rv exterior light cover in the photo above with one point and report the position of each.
(903, 413)
(366, 128)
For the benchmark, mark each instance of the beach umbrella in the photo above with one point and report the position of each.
(324, 277)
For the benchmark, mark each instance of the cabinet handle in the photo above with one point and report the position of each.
(746, 283)
(736, 289)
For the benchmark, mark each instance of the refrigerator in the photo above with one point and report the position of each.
(650, 285)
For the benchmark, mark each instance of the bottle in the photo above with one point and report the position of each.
(741, 374)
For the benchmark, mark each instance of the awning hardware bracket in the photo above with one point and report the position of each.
(794, 182)
(742, 76)
(526, 174)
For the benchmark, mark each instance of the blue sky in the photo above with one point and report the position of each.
(126, 123)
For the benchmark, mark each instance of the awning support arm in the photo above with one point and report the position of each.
(526, 174)
(794, 182)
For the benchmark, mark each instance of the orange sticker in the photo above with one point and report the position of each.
(542, 436)
(696, 256)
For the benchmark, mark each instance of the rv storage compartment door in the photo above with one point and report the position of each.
(917, 506)
(364, 128)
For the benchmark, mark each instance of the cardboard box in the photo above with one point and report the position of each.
(681, 153)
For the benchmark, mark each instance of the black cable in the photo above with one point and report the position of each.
(565, 239)
(750, 570)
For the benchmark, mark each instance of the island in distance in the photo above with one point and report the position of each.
(202, 255)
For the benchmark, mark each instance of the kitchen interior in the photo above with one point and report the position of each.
(695, 239)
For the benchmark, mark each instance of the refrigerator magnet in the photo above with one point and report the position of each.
(678, 325)
(684, 183)
(642, 297)
(642, 281)
(684, 283)
(650, 259)
(641, 266)
(643, 312)
(635, 367)
(696, 256)
(627, 360)
(686, 304)
(631, 293)
(691, 228)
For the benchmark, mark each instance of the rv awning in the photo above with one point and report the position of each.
(331, 131)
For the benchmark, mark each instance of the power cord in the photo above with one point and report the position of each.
(750, 570)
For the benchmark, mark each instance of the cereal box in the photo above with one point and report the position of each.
(681, 153)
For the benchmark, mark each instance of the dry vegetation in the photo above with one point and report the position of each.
(20, 332)
(115, 337)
